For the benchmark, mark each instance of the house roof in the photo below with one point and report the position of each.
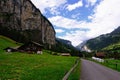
(100, 54)
(37, 44)
(65, 54)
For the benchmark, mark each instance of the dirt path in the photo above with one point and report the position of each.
(94, 71)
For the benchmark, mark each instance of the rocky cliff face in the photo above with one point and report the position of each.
(23, 22)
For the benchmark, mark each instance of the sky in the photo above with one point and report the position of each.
(80, 20)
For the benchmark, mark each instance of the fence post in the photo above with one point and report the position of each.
(116, 65)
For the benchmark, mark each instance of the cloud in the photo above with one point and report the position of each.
(75, 36)
(51, 5)
(105, 19)
(59, 30)
(63, 22)
(76, 16)
(74, 6)
(90, 3)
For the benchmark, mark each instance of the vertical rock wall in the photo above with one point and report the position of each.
(22, 21)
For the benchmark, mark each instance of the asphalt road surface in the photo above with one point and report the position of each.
(93, 71)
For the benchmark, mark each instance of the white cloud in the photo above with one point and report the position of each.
(52, 5)
(76, 37)
(65, 22)
(74, 6)
(90, 3)
(106, 18)
(59, 30)
(76, 16)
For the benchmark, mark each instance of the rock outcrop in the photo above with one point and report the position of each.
(23, 22)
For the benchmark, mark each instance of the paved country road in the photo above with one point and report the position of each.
(93, 71)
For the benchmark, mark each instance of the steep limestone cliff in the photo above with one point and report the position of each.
(23, 22)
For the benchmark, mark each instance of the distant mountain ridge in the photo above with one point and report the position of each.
(79, 47)
(65, 46)
(67, 42)
(103, 41)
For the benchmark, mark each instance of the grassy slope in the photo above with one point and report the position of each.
(111, 47)
(31, 66)
(7, 42)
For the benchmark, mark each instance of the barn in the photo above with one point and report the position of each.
(31, 47)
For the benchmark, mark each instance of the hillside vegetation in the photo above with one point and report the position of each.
(105, 40)
(22, 66)
(7, 42)
(65, 46)
(115, 46)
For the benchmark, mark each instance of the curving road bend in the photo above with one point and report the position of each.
(93, 71)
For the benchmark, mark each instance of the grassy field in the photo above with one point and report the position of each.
(34, 67)
(114, 64)
(6, 42)
(22, 66)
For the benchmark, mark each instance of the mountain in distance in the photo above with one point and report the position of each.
(116, 31)
(112, 47)
(67, 42)
(82, 47)
(65, 46)
(79, 47)
(103, 41)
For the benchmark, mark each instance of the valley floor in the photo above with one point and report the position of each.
(22, 66)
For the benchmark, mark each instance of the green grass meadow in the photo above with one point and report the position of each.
(111, 63)
(20, 66)
(23, 66)
(6, 42)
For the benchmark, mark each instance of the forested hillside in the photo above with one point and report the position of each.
(105, 40)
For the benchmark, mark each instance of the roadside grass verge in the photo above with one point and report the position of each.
(114, 64)
(75, 75)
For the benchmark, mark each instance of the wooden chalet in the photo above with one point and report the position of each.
(100, 54)
(31, 47)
